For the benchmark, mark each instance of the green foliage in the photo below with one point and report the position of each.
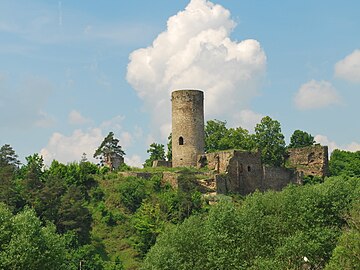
(48, 199)
(215, 131)
(25, 244)
(301, 139)
(270, 141)
(346, 255)
(219, 137)
(9, 190)
(312, 179)
(157, 152)
(274, 230)
(8, 157)
(344, 163)
(239, 138)
(73, 215)
(132, 192)
(108, 149)
(148, 223)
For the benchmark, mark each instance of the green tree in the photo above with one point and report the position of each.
(9, 190)
(239, 138)
(345, 163)
(157, 152)
(147, 223)
(271, 230)
(270, 141)
(301, 139)
(49, 198)
(215, 132)
(132, 192)
(218, 137)
(108, 150)
(32, 178)
(346, 255)
(73, 215)
(8, 157)
(25, 244)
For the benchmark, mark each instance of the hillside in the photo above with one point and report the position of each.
(107, 220)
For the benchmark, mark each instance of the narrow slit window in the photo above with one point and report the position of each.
(249, 169)
(181, 141)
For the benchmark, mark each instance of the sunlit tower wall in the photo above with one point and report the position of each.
(188, 136)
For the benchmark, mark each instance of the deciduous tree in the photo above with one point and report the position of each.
(157, 152)
(270, 141)
(301, 139)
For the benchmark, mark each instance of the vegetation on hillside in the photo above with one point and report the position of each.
(82, 214)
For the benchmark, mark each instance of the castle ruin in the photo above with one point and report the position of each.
(234, 171)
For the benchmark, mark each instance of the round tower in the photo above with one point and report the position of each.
(188, 137)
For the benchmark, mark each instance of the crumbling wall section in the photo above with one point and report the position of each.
(161, 163)
(238, 171)
(245, 172)
(217, 161)
(310, 160)
(276, 178)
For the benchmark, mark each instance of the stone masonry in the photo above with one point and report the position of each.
(188, 138)
(242, 172)
(311, 160)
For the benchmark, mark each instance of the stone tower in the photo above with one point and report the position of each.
(188, 138)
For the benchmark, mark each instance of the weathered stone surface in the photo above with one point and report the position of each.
(170, 178)
(188, 138)
(114, 161)
(243, 172)
(162, 163)
(276, 178)
(311, 160)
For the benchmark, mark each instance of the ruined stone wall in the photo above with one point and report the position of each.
(162, 163)
(311, 160)
(245, 172)
(170, 178)
(239, 171)
(217, 161)
(276, 178)
(188, 136)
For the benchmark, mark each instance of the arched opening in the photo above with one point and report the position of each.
(249, 169)
(181, 141)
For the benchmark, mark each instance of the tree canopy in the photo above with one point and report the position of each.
(270, 141)
(301, 139)
(157, 152)
(8, 157)
(218, 137)
(274, 230)
(345, 163)
(108, 150)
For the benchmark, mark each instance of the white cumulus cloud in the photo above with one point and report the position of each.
(70, 148)
(324, 140)
(316, 94)
(134, 161)
(247, 119)
(349, 67)
(76, 118)
(196, 52)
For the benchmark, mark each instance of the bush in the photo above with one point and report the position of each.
(132, 192)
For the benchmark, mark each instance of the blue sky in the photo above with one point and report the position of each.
(71, 71)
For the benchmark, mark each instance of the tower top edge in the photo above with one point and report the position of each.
(187, 90)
